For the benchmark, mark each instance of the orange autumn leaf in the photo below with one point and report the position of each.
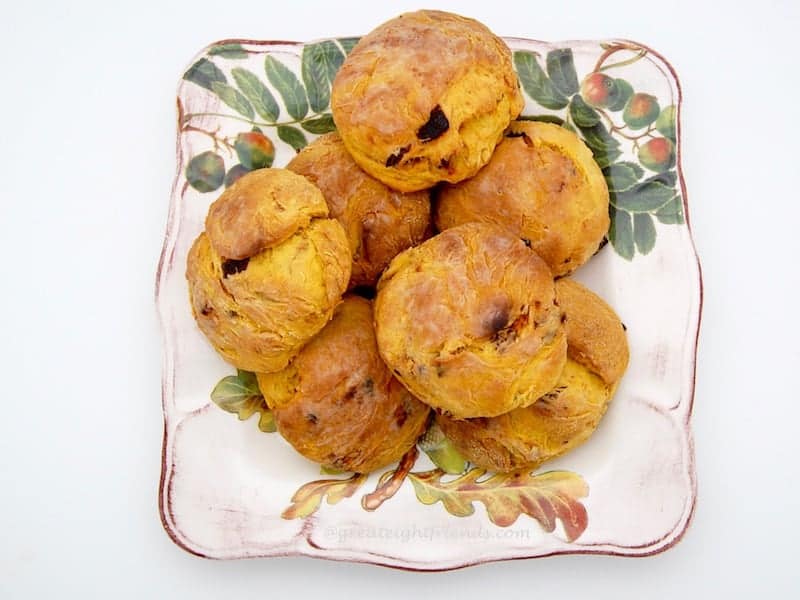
(308, 498)
(546, 497)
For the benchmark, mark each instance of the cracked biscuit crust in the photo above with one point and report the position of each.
(425, 98)
(268, 271)
(567, 415)
(338, 404)
(469, 322)
(380, 222)
(542, 184)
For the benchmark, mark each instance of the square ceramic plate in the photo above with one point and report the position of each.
(229, 490)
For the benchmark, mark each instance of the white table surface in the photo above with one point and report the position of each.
(87, 159)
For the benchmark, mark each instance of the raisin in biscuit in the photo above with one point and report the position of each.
(338, 404)
(566, 416)
(425, 98)
(469, 323)
(269, 269)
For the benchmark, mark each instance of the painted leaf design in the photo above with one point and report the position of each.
(644, 232)
(547, 497)
(204, 73)
(288, 86)
(390, 481)
(604, 158)
(319, 125)
(672, 212)
(536, 83)
(257, 93)
(561, 69)
(441, 452)
(266, 420)
(620, 234)
(239, 394)
(292, 136)
(668, 178)
(604, 146)
(542, 118)
(582, 114)
(597, 137)
(308, 498)
(228, 51)
(319, 65)
(348, 44)
(622, 176)
(644, 197)
(233, 98)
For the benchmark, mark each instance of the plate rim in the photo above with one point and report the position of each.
(166, 256)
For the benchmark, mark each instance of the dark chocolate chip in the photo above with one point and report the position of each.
(311, 418)
(527, 242)
(444, 163)
(207, 310)
(437, 124)
(231, 266)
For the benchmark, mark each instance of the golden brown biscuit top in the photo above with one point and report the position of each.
(541, 183)
(428, 47)
(470, 283)
(427, 93)
(260, 210)
(380, 222)
(595, 335)
(343, 358)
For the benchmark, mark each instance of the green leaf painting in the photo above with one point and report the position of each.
(348, 44)
(319, 125)
(319, 65)
(257, 93)
(288, 86)
(292, 136)
(621, 233)
(228, 51)
(644, 232)
(622, 176)
(239, 394)
(645, 197)
(233, 98)
(561, 70)
(204, 73)
(536, 83)
(628, 132)
(582, 114)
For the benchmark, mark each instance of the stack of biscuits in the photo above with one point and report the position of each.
(410, 270)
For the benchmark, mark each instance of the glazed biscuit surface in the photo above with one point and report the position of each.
(544, 185)
(258, 310)
(338, 404)
(568, 414)
(380, 222)
(261, 210)
(469, 323)
(425, 98)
